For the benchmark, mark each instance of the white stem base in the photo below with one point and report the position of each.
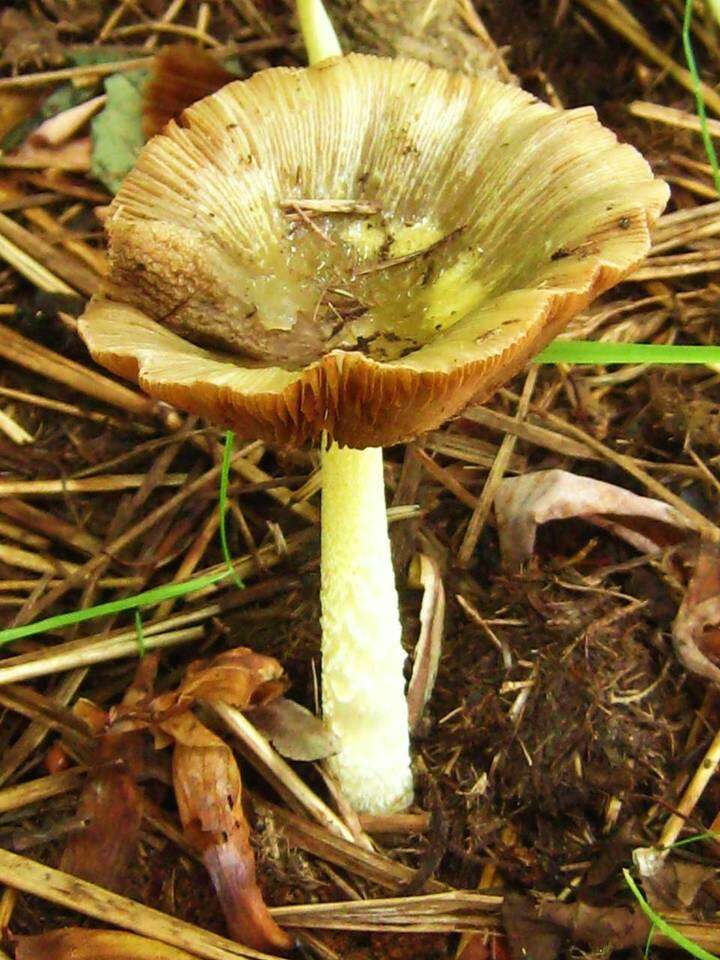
(363, 685)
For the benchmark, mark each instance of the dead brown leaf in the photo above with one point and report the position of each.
(237, 677)
(622, 927)
(523, 503)
(208, 791)
(74, 943)
(529, 934)
(293, 730)
(181, 75)
(674, 885)
(425, 573)
(700, 609)
(111, 804)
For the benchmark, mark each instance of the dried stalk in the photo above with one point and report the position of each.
(616, 17)
(60, 488)
(321, 843)
(497, 472)
(57, 660)
(672, 116)
(449, 912)
(22, 795)
(13, 430)
(17, 349)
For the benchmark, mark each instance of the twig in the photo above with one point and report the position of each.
(22, 795)
(17, 349)
(13, 430)
(60, 488)
(454, 911)
(497, 472)
(694, 790)
(629, 28)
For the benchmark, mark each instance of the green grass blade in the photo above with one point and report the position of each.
(222, 506)
(148, 598)
(697, 88)
(705, 835)
(140, 633)
(664, 927)
(596, 352)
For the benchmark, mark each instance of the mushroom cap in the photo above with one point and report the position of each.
(361, 247)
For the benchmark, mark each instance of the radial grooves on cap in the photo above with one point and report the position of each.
(553, 212)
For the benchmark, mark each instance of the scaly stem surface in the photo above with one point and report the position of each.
(362, 656)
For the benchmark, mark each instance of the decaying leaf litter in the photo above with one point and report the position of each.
(563, 732)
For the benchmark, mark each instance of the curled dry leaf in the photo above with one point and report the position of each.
(181, 75)
(523, 503)
(208, 790)
(670, 885)
(293, 730)
(623, 927)
(237, 677)
(111, 804)
(694, 642)
(529, 934)
(74, 943)
(206, 778)
(424, 572)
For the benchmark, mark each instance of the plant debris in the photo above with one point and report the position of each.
(573, 719)
(82, 944)
(524, 503)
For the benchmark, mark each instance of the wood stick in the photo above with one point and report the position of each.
(53, 661)
(497, 472)
(23, 794)
(446, 478)
(70, 270)
(70, 408)
(13, 430)
(35, 733)
(33, 271)
(629, 465)
(318, 841)
(60, 488)
(20, 535)
(50, 526)
(540, 436)
(672, 117)
(453, 911)
(693, 792)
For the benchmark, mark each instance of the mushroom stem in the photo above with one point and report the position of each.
(363, 685)
(362, 655)
(319, 36)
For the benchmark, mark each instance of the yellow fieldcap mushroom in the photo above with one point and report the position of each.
(359, 249)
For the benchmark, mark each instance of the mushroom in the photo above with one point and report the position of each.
(355, 251)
